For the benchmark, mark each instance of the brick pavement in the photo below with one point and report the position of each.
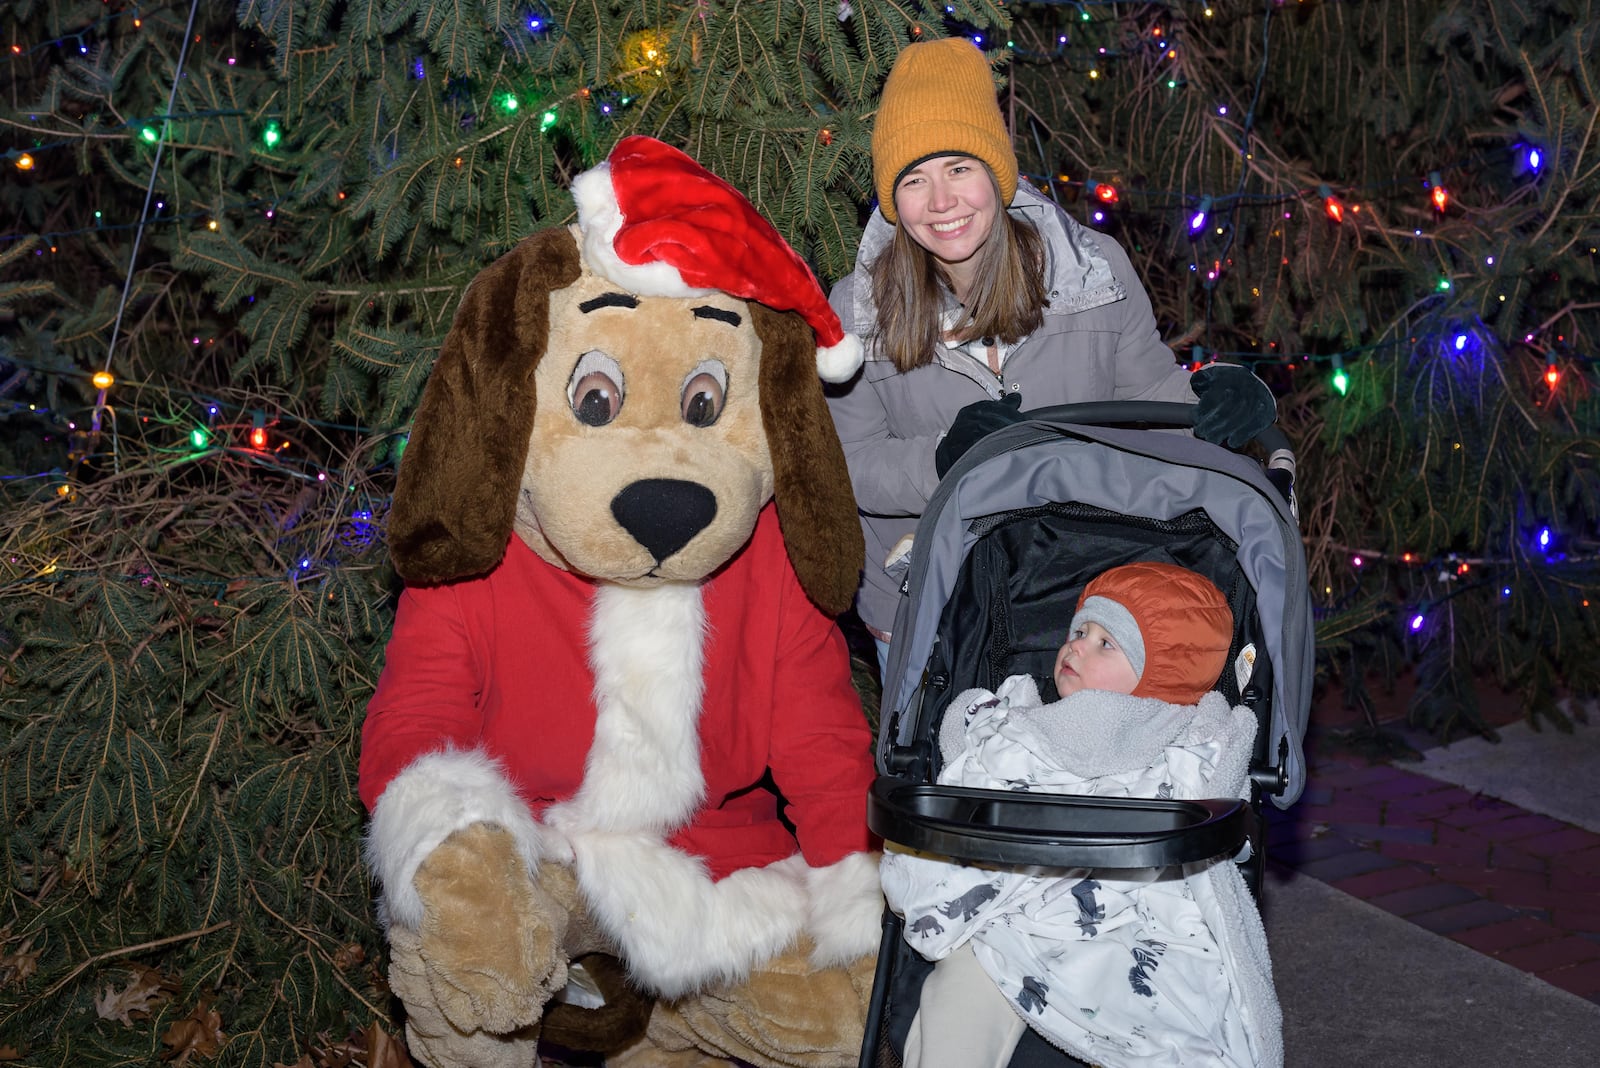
(1515, 885)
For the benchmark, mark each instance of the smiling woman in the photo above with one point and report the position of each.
(977, 297)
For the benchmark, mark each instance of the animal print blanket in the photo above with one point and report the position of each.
(1121, 968)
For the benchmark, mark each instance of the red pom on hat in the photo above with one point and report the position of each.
(657, 223)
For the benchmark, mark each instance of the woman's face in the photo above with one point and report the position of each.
(949, 206)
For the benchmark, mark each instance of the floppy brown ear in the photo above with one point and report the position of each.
(816, 506)
(457, 490)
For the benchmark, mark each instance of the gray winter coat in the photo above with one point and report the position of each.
(1098, 341)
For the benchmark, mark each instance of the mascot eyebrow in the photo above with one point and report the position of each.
(706, 311)
(609, 300)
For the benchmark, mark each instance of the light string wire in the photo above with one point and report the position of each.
(138, 233)
(1244, 153)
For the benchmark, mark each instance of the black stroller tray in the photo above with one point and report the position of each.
(1055, 830)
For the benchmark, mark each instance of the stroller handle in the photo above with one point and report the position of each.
(1280, 465)
(1164, 413)
(1056, 830)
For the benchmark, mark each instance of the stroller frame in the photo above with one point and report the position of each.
(1166, 481)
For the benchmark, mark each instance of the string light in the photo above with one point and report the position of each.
(1552, 373)
(1331, 204)
(1340, 380)
(1197, 221)
(1105, 192)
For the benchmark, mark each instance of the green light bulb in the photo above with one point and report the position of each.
(271, 134)
(199, 438)
(150, 135)
(547, 121)
(1341, 381)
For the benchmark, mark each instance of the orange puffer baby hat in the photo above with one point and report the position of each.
(1174, 626)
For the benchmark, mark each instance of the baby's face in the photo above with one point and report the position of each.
(1091, 660)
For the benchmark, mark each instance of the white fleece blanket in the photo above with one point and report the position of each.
(1122, 968)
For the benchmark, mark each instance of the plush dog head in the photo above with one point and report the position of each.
(627, 395)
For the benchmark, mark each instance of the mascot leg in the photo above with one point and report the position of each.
(788, 1014)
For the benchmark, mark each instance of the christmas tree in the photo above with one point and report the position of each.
(237, 238)
(1389, 211)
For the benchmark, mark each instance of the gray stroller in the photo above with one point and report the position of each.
(1014, 532)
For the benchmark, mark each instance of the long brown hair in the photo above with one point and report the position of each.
(1007, 299)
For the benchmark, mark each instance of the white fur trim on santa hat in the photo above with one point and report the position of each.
(433, 797)
(599, 219)
(836, 363)
(844, 909)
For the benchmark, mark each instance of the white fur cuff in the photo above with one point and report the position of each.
(844, 909)
(434, 796)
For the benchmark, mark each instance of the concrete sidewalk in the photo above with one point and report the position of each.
(1360, 986)
(1420, 920)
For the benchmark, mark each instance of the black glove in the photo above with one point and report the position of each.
(973, 423)
(1234, 406)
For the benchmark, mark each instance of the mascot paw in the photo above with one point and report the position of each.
(491, 939)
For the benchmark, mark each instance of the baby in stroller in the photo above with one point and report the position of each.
(1118, 967)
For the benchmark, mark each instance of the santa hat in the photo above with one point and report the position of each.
(1174, 626)
(660, 225)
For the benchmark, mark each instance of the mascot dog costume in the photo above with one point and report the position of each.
(624, 522)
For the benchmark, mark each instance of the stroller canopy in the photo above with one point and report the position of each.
(1150, 474)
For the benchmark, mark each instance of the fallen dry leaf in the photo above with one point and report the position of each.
(10, 1053)
(384, 1050)
(198, 1033)
(303, 1062)
(345, 957)
(372, 1048)
(140, 997)
(19, 964)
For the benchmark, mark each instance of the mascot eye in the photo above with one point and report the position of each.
(597, 400)
(594, 391)
(704, 393)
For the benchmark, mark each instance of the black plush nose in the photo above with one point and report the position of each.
(664, 514)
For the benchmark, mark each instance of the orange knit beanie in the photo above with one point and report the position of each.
(939, 100)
